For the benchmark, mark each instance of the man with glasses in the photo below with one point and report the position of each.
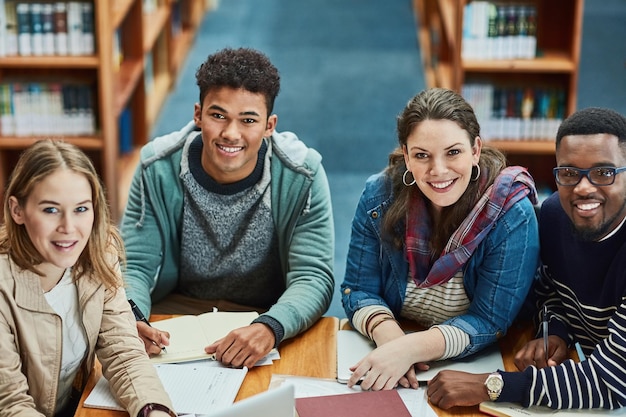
(582, 282)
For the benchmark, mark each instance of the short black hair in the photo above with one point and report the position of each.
(239, 68)
(593, 121)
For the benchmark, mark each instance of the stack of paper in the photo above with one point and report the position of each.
(194, 388)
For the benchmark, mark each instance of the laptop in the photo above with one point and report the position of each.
(276, 402)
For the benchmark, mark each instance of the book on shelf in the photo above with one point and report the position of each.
(10, 34)
(7, 127)
(516, 112)
(47, 13)
(125, 129)
(74, 28)
(88, 38)
(36, 20)
(190, 334)
(24, 30)
(499, 31)
(352, 346)
(148, 72)
(47, 108)
(60, 28)
(116, 52)
(3, 29)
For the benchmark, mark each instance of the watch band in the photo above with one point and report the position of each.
(145, 411)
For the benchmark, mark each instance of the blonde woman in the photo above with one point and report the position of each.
(61, 294)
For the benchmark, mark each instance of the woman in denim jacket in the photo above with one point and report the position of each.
(446, 236)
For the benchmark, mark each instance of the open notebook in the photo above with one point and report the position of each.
(352, 346)
(277, 402)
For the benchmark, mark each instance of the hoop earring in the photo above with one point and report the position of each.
(404, 179)
(474, 179)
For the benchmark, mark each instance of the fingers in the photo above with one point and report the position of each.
(154, 340)
(244, 346)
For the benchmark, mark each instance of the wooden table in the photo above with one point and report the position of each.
(314, 354)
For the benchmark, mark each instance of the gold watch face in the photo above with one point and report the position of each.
(494, 383)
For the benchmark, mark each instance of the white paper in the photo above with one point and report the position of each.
(193, 388)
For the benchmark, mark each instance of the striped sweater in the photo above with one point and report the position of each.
(584, 286)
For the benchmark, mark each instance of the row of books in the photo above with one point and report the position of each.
(46, 109)
(516, 113)
(46, 28)
(499, 31)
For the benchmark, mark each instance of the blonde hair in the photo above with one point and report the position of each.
(105, 245)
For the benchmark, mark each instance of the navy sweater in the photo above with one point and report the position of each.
(584, 286)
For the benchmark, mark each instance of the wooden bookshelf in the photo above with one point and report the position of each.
(162, 35)
(559, 28)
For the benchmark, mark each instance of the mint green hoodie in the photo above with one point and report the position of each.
(301, 208)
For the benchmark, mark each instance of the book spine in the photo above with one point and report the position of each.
(88, 43)
(48, 28)
(3, 29)
(60, 28)
(74, 28)
(24, 34)
(6, 110)
(11, 41)
(36, 19)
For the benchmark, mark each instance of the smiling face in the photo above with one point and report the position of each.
(58, 216)
(440, 157)
(594, 210)
(233, 123)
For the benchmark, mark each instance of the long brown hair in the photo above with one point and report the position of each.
(104, 249)
(436, 104)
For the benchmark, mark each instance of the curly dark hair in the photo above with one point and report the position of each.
(593, 121)
(239, 68)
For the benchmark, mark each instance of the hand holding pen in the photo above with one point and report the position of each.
(544, 325)
(547, 350)
(152, 337)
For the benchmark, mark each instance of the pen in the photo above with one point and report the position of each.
(544, 323)
(579, 351)
(140, 317)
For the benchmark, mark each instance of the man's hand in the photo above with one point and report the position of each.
(533, 353)
(153, 339)
(243, 346)
(454, 388)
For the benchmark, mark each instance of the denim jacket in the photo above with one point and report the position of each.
(497, 277)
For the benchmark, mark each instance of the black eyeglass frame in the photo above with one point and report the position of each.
(585, 173)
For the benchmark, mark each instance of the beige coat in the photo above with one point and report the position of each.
(31, 341)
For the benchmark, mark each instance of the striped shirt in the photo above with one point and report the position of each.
(583, 284)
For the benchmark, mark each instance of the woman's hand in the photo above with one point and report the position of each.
(384, 367)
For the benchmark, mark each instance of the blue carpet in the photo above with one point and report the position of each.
(347, 69)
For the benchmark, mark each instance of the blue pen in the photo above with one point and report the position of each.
(579, 351)
(544, 323)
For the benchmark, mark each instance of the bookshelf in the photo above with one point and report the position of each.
(446, 30)
(137, 47)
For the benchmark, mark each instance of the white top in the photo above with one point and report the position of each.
(63, 299)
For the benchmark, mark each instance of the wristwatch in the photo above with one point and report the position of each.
(494, 384)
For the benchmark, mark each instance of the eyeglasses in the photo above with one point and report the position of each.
(569, 176)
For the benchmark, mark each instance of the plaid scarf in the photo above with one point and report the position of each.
(510, 186)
